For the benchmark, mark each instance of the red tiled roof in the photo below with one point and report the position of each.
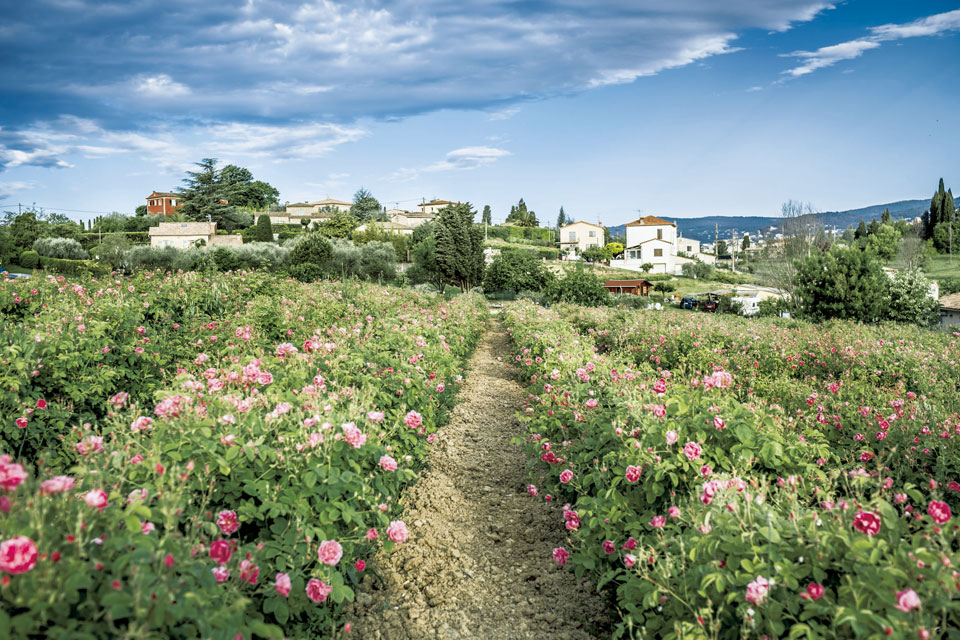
(625, 283)
(649, 220)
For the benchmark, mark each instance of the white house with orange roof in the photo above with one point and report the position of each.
(655, 241)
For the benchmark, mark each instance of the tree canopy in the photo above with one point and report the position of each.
(365, 207)
(222, 195)
(521, 216)
(459, 246)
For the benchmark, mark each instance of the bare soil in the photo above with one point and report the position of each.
(478, 561)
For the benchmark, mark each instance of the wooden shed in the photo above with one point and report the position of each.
(628, 287)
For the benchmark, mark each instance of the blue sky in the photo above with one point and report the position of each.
(686, 108)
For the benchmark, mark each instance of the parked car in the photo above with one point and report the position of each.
(689, 303)
(709, 306)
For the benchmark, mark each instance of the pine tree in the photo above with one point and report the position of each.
(861, 231)
(561, 218)
(885, 217)
(873, 227)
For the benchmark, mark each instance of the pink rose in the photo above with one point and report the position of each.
(866, 522)
(907, 600)
(249, 571)
(97, 498)
(939, 511)
(671, 437)
(633, 473)
(560, 555)
(706, 470)
(18, 555)
(41, 404)
(674, 512)
(282, 584)
(692, 450)
(629, 560)
(413, 420)
(142, 423)
(630, 544)
(329, 552)
(657, 522)
(360, 565)
(814, 591)
(11, 473)
(222, 574)
(228, 522)
(220, 551)
(608, 547)
(757, 590)
(22, 423)
(397, 531)
(719, 423)
(317, 590)
(168, 561)
(532, 489)
(372, 534)
(566, 476)
(387, 463)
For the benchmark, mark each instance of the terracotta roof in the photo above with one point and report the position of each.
(625, 283)
(599, 226)
(649, 220)
(435, 202)
(951, 301)
(162, 194)
(331, 201)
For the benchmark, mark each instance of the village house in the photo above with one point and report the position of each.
(577, 237)
(434, 206)
(391, 226)
(314, 209)
(163, 202)
(411, 219)
(655, 241)
(950, 312)
(183, 235)
(628, 287)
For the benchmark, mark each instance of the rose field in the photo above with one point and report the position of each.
(187, 457)
(729, 478)
(247, 456)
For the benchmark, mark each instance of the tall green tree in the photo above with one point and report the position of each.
(365, 207)
(885, 217)
(240, 189)
(487, 217)
(521, 216)
(206, 196)
(561, 218)
(459, 246)
(721, 247)
(264, 229)
(843, 282)
(745, 243)
(861, 231)
(425, 268)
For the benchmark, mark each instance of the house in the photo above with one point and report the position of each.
(434, 206)
(163, 202)
(950, 312)
(183, 235)
(655, 241)
(391, 226)
(577, 237)
(410, 218)
(313, 209)
(628, 287)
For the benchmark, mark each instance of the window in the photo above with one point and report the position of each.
(659, 234)
(689, 248)
(658, 253)
(593, 234)
(572, 236)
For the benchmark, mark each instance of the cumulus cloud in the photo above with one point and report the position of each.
(468, 158)
(831, 55)
(335, 60)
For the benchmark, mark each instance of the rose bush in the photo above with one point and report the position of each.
(730, 478)
(242, 476)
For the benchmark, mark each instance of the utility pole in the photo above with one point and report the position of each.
(716, 240)
(733, 249)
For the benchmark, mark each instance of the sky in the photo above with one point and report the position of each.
(610, 108)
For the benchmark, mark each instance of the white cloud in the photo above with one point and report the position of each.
(8, 189)
(159, 86)
(503, 114)
(830, 55)
(468, 158)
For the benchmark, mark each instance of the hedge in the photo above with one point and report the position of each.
(90, 240)
(73, 267)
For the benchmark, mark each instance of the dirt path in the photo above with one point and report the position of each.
(478, 564)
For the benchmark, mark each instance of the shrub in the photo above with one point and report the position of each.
(64, 248)
(312, 248)
(29, 259)
(345, 259)
(515, 271)
(726, 304)
(264, 229)
(306, 272)
(378, 261)
(226, 260)
(73, 267)
(578, 286)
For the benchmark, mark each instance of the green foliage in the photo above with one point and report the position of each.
(646, 267)
(110, 251)
(459, 247)
(306, 272)
(521, 216)
(29, 259)
(515, 271)
(726, 304)
(378, 261)
(264, 229)
(561, 219)
(365, 207)
(527, 234)
(884, 242)
(65, 248)
(577, 286)
(845, 283)
(340, 224)
(377, 233)
(73, 267)
(487, 217)
(222, 195)
(312, 248)
(910, 301)
(141, 210)
(722, 248)
(664, 287)
(425, 268)
(226, 260)
(698, 270)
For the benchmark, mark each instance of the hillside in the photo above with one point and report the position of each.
(703, 228)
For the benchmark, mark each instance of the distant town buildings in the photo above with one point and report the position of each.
(163, 202)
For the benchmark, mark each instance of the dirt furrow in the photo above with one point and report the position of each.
(478, 563)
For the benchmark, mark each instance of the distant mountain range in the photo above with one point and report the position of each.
(703, 228)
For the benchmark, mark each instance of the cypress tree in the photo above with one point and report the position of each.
(561, 218)
(861, 231)
(486, 218)
(264, 229)
(885, 217)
